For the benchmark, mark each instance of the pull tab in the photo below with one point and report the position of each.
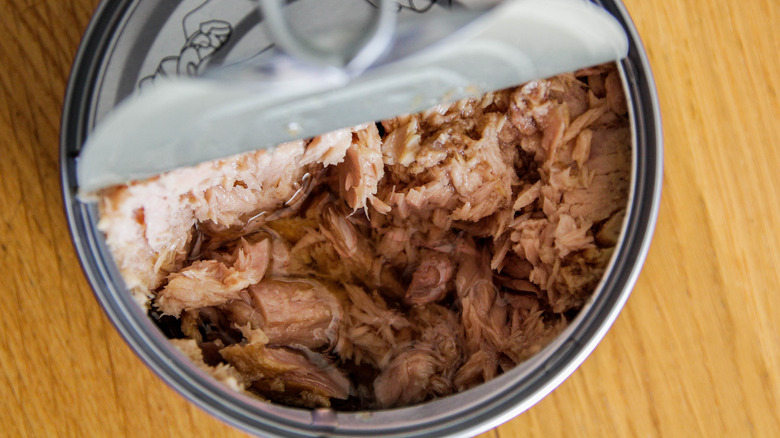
(356, 55)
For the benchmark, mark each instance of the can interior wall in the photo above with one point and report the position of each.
(463, 414)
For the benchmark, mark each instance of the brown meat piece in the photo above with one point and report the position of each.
(425, 368)
(483, 316)
(370, 331)
(297, 376)
(362, 170)
(609, 173)
(211, 283)
(296, 312)
(431, 279)
(529, 329)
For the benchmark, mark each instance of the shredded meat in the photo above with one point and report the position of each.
(290, 311)
(431, 279)
(387, 264)
(210, 282)
(289, 373)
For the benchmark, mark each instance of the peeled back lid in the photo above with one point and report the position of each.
(264, 102)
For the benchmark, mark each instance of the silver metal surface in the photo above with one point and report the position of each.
(130, 43)
(356, 53)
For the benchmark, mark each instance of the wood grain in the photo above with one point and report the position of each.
(696, 352)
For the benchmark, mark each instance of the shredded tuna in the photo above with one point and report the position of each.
(294, 311)
(387, 264)
(210, 282)
(289, 373)
(223, 372)
(362, 169)
(431, 279)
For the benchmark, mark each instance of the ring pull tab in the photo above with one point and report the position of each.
(356, 55)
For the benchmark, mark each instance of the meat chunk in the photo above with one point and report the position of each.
(362, 169)
(431, 280)
(483, 317)
(296, 376)
(328, 149)
(470, 185)
(296, 312)
(425, 368)
(529, 330)
(211, 283)
(609, 173)
(204, 283)
(371, 331)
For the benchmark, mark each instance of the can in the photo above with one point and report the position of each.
(129, 43)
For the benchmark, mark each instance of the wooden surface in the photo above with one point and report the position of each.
(696, 352)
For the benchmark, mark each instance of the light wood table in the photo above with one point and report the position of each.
(696, 352)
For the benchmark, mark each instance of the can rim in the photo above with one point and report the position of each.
(498, 400)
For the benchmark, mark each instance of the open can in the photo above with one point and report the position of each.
(131, 42)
